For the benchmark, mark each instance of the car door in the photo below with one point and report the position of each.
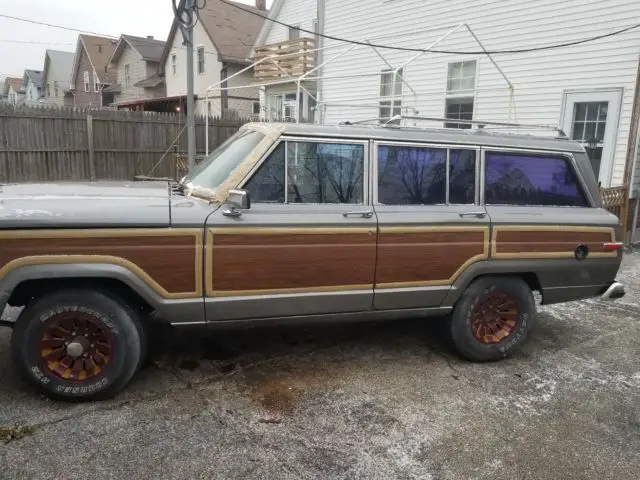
(306, 245)
(431, 223)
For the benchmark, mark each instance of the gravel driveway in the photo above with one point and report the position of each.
(376, 401)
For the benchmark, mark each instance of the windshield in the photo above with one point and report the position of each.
(220, 164)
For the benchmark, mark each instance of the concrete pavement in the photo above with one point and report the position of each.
(374, 401)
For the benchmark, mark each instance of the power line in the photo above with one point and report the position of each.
(429, 50)
(3, 40)
(54, 26)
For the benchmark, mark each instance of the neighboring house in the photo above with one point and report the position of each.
(55, 78)
(223, 37)
(91, 72)
(139, 86)
(280, 102)
(32, 86)
(12, 91)
(587, 88)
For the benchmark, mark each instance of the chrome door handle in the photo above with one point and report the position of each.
(366, 214)
(473, 214)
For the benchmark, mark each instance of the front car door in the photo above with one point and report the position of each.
(431, 223)
(306, 246)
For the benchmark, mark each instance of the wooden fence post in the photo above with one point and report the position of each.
(92, 161)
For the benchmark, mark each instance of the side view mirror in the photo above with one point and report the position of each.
(237, 200)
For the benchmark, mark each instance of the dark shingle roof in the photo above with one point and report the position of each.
(149, 49)
(34, 75)
(232, 30)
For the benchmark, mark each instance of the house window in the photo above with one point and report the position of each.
(99, 48)
(326, 173)
(525, 179)
(86, 81)
(55, 88)
(127, 75)
(461, 85)
(461, 109)
(174, 63)
(589, 122)
(48, 89)
(96, 82)
(294, 32)
(256, 108)
(200, 60)
(390, 97)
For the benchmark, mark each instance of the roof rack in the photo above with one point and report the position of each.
(479, 123)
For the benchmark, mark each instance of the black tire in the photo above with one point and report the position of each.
(468, 326)
(116, 323)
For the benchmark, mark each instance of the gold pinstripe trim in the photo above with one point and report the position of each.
(547, 228)
(108, 259)
(442, 229)
(287, 230)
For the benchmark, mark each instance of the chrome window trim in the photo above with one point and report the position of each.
(448, 147)
(286, 138)
(568, 156)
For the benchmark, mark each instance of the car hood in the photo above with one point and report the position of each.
(85, 205)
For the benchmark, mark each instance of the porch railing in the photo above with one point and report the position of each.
(290, 58)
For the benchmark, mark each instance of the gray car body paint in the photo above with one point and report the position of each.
(155, 205)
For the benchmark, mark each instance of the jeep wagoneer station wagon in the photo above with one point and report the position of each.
(304, 222)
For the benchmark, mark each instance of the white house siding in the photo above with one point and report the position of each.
(300, 13)
(539, 78)
(177, 84)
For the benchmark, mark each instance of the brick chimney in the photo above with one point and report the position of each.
(261, 4)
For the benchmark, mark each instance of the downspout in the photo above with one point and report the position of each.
(319, 114)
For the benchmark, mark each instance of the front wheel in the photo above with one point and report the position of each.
(492, 318)
(77, 345)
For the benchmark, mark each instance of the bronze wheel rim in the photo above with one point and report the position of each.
(75, 346)
(494, 318)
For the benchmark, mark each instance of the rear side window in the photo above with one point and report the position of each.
(525, 179)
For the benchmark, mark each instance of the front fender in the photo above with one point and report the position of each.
(189, 310)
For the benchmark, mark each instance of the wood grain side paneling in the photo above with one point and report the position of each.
(425, 257)
(549, 242)
(171, 263)
(281, 261)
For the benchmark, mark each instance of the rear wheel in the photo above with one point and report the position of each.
(492, 318)
(78, 344)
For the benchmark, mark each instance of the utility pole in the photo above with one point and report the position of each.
(187, 35)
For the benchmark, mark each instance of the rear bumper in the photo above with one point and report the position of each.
(615, 290)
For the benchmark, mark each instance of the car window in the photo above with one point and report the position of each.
(418, 175)
(411, 175)
(328, 173)
(526, 179)
(267, 184)
(325, 173)
(462, 177)
(223, 161)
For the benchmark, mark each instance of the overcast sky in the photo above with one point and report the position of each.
(133, 17)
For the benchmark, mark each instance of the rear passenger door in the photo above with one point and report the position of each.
(431, 222)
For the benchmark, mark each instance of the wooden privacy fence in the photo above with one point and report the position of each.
(616, 200)
(63, 144)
